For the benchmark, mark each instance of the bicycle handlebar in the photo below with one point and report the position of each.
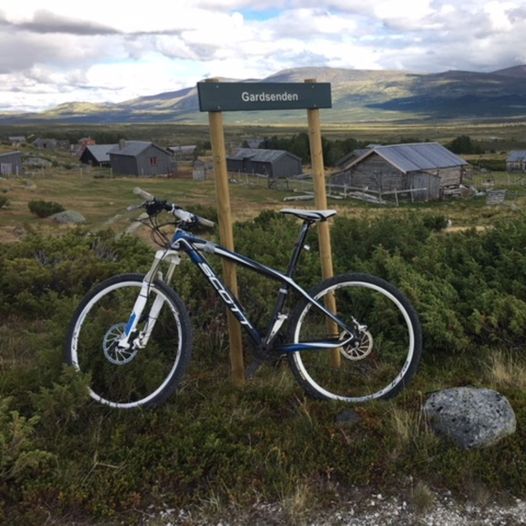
(177, 211)
(142, 193)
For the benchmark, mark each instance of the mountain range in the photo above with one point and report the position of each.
(357, 95)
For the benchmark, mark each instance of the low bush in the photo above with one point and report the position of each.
(45, 208)
(64, 456)
(494, 165)
(3, 201)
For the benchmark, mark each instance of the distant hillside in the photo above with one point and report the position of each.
(358, 95)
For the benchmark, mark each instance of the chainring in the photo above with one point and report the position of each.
(359, 348)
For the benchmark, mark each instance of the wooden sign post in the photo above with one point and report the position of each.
(320, 201)
(217, 140)
(216, 97)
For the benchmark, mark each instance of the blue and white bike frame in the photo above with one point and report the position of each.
(194, 247)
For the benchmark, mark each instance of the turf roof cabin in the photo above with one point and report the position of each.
(273, 164)
(141, 158)
(425, 171)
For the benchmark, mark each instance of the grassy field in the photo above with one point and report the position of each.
(103, 199)
(219, 450)
(497, 136)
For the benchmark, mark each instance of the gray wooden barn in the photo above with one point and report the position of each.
(269, 163)
(183, 152)
(422, 170)
(141, 158)
(516, 161)
(17, 140)
(11, 163)
(97, 154)
(45, 143)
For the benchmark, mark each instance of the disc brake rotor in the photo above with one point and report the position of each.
(358, 349)
(110, 345)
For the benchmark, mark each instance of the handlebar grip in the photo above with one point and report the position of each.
(142, 193)
(179, 212)
(205, 222)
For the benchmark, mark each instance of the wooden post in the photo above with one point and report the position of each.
(217, 140)
(320, 201)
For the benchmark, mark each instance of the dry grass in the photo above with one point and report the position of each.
(404, 425)
(506, 370)
(410, 431)
(103, 201)
(422, 497)
(297, 504)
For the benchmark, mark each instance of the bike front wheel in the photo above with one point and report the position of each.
(384, 354)
(147, 372)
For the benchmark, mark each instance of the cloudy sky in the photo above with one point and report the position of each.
(60, 51)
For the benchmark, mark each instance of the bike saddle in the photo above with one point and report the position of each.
(309, 215)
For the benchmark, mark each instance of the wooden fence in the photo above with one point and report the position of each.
(302, 189)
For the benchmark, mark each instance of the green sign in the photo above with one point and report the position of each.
(246, 96)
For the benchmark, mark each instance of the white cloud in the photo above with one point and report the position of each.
(56, 52)
(411, 14)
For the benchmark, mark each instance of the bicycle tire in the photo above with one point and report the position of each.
(144, 377)
(380, 363)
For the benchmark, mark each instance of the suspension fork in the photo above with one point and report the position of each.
(173, 259)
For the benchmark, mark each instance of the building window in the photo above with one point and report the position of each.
(153, 161)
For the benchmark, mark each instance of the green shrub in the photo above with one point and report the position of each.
(18, 456)
(464, 144)
(3, 201)
(40, 272)
(45, 208)
(495, 165)
(62, 452)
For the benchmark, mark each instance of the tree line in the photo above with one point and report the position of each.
(336, 149)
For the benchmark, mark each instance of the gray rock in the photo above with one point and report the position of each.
(68, 217)
(348, 418)
(472, 418)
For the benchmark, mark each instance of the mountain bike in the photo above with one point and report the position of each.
(131, 334)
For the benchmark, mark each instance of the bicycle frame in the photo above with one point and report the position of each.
(194, 247)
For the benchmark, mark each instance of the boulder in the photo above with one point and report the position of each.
(470, 417)
(68, 217)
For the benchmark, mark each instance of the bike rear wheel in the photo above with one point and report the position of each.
(146, 374)
(383, 357)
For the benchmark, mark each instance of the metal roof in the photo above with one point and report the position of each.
(101, 151)
(415, 157)
(516, 156)
(190, 148)
(134, 148)
(357, 152)
(260, 155)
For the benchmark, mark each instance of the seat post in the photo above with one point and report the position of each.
(299, 247)
(284, 289)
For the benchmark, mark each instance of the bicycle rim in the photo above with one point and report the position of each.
(381, 359)
(142, 375)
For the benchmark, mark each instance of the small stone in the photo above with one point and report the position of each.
(68, 217)
(348, 418)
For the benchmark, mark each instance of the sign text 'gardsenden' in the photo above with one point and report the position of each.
(238, 96)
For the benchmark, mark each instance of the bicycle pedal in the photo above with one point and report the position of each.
(278, 360)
